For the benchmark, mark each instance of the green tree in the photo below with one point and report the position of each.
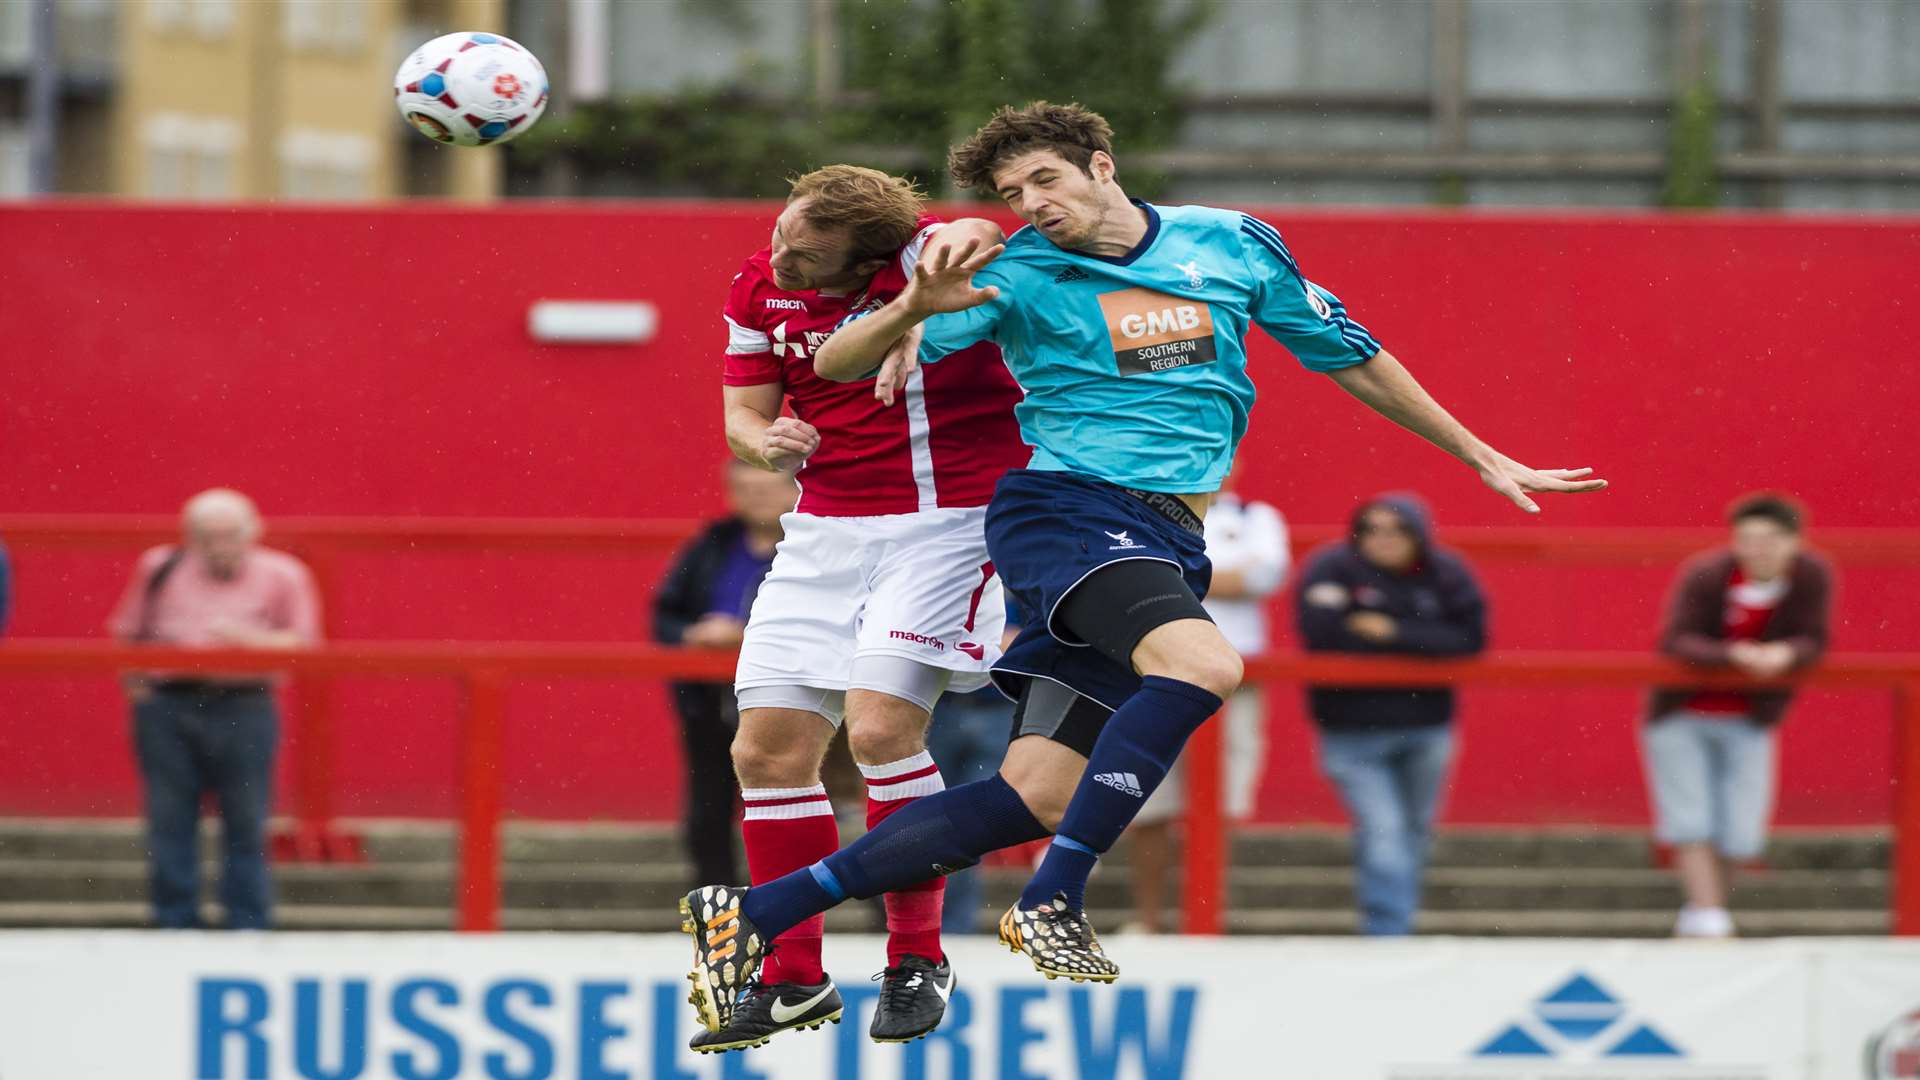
(918, 75)
(1692, 181)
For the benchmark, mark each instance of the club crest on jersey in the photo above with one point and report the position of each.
(1195, 279)
(1317, 302)
(784, 303)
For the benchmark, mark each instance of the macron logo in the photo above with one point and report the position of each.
(918, 639)
(1124, 782)
(785, 304)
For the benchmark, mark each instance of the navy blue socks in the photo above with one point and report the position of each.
(934, 835)
(1140, 743)
(953, 829)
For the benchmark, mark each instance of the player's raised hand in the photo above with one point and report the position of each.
(901, 362)
(1514, 480)
(947, 284)
(787, 443)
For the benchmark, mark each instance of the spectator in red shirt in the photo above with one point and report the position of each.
(1760, 606)
(196, 733)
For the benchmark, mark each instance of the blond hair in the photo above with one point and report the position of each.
(879, 211)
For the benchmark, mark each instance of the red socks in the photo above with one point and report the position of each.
(788, 829)
(913, 913)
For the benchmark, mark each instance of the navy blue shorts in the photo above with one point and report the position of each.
(1046, 532)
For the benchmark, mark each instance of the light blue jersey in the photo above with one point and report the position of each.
(1135, 368)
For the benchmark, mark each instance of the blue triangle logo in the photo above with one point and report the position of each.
(1513, 1042)
(1580, 1028)
(1643, 1041)
(1579, 990)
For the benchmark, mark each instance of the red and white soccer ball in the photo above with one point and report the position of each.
(471, 89)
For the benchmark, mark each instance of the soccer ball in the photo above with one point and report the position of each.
(471, 89)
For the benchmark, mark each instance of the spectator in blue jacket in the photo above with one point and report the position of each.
(1387, 589)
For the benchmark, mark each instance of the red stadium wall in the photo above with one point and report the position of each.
(377, 362)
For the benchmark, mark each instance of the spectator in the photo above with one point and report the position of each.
(1759, 606)
(198, 733)
(6, 589)
(1388, 589)
(1247, 544)
(703, 603)
(968, 738)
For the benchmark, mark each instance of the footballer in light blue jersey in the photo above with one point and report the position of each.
(1134, 366)
(1125, 324)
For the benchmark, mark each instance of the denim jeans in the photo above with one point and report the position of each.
(1391, 782)
(968, 739)
(190, 742)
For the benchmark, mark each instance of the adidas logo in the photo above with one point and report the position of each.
(1071, 273)
(1124, 782)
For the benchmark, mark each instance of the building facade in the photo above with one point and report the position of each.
(213, 100)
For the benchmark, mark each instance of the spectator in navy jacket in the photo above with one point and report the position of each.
(1387, 589)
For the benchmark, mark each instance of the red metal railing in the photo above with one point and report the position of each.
(485, 670)
(321, 536)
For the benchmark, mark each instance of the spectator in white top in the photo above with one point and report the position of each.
(1247, 544)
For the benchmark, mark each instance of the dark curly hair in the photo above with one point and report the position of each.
(1072, 131)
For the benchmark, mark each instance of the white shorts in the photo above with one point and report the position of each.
(914, 586)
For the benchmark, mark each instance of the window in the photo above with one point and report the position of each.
(212, 18)
(190, 157)
(304, 24)
(166, 14)
(13, 162)
(338, 25)
(327, 166)
(208, 18)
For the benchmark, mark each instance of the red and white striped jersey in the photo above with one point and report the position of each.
(944, 442)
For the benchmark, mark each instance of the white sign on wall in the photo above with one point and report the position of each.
(188, 1006)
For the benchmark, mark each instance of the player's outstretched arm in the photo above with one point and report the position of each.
(1387, 388)
(757, 433)
(944, 284)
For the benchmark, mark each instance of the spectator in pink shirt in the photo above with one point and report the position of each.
(196, 733)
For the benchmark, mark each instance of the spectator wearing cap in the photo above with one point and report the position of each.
(207, 733)
(703, 602)
(1760, 606)
(1388, 589)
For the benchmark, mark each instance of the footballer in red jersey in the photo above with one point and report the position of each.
(881, 595)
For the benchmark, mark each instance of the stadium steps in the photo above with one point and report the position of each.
(1537, 882)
